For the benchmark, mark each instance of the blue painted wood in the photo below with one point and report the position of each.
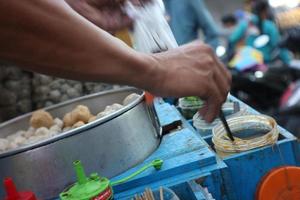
(296, 149)
(167, 114)
(189, 157)
(246, 170)
(186, 156)
(197, 190)
(185, 191)
(228, 187)
(173, 167)
(172, 145)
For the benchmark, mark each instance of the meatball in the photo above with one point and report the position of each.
(78, 124)
(92, 118)
(112, 108)
(130, 98)
(80, 113)
(4, 144)
(40, 119)
(68, 120)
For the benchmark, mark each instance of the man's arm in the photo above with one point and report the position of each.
(48, 36)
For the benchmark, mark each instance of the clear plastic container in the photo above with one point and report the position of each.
(229, 110)
(189, 106)
(249, 131)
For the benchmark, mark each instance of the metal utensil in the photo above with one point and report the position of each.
(108, 146)
(225, 124)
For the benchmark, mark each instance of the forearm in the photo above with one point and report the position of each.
(47, 36)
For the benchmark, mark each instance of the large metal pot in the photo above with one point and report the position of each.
(108, 146)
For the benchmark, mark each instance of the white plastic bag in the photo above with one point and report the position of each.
(151, 32)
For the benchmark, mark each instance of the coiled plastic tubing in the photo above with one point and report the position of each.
(240, 125)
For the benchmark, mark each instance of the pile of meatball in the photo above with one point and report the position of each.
(15, 90)
(44, 126)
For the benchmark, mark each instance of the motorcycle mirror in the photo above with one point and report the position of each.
(261, 41)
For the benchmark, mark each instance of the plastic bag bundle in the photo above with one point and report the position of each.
(152, 32)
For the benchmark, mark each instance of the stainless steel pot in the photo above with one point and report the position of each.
(108, 146)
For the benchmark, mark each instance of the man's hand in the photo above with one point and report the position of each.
(107, 14)
(49, 37)
(193, 70)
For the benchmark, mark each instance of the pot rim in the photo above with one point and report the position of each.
(76, 131)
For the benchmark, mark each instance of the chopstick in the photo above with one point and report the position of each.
(225, 124)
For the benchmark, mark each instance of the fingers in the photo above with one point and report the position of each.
(115, 3)
(203, 110)
(213, 104)
(224, 70)
(222, 81)
(218, 88)
(193, 70)
(219, 65)
(222, 76)
(139, 2)
(101, 3)
(110, 18)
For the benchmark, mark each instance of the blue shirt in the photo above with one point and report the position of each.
(187, 16)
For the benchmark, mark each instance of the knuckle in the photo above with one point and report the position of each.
(197, 43)
(196, 46)
(206, 86)
(206, 90)
(224, 97)
(208, 49)
(219, 99)
(209, 62)
(210, 75)
(198, 50)
(222, 65)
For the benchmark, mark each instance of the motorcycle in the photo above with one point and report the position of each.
(288, 114)
(274, 91)
(262, 87)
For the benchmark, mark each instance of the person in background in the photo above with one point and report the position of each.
(229, 23)
(187, 17)
(248, 30)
